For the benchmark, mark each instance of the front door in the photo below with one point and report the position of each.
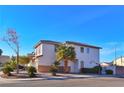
(82, 64)
(76, 70)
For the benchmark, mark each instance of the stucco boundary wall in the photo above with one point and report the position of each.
(120, 70)
(45, 69)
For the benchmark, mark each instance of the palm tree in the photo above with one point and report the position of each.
(1, 52)
(65, 53)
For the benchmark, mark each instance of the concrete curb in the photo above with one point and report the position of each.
(46, 78)
(57, 78)
(25, 79)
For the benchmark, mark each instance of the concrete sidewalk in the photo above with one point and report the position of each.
(72, 76)
(62, 76)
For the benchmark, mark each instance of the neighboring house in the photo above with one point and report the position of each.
(4, 59)
(119, 61)
(117, 66)
(107, 66)
(87, 56)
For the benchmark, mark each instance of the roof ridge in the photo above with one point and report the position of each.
(48, 42)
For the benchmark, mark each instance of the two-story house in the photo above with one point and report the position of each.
(87, 56)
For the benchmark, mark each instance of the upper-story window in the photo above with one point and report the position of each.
(35, 51)
(88, 50)
(76, 60)
(38, 50)
(82, 49)
(56, 47)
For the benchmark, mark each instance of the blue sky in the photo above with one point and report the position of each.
(97, 25)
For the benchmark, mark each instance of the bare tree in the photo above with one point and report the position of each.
(11, 39)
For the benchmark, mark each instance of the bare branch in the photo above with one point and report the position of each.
(11, 46)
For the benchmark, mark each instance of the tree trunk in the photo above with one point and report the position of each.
(17, 61)
(54, 74)
(66, 66)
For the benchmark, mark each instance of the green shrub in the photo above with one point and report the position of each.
(87, 70)
(31, 71)
(109, 72)
(97, 69)
(94, 70)
(56, 63)
(53, 69)
(12, 64)
(7, 69)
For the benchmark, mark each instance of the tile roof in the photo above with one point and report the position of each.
(82, 44)
(47, 42)
(67, 42)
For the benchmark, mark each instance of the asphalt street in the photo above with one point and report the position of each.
(87, 82)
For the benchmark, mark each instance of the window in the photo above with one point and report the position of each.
(39, 51)
(35, 51)
(76, 60)
(88, 50)
(82, 49)
(56, 48)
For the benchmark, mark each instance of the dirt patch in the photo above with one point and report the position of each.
(18, 76)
